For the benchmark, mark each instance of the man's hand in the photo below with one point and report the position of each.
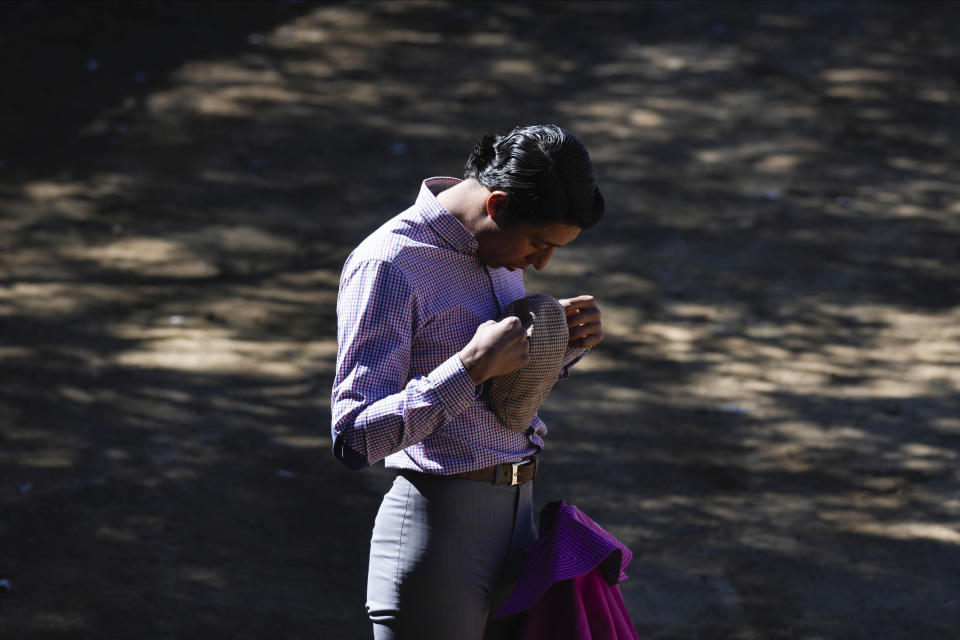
(583, 320)
(495, 349)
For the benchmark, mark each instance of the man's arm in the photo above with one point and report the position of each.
(376, 410)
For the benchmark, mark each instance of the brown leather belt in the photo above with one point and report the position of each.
(509, 473)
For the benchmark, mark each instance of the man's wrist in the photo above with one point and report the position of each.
(472, 366)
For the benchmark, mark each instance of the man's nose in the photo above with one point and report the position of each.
(541, 258)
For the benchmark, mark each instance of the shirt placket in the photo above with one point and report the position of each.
(499, 287)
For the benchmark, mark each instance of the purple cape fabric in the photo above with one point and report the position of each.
(569, 583)
(570, 545)
(582, 608)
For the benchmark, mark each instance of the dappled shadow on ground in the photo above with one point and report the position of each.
(771, 423)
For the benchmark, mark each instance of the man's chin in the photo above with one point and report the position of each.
(508, 267)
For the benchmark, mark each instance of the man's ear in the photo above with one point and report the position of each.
(496, 206)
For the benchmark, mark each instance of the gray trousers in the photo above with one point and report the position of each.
(444, 555)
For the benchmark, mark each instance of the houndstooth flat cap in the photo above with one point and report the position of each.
(516, 396)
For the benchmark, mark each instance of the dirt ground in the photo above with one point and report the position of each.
(772, 424)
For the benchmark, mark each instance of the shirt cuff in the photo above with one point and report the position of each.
(454, 386)
(571, 357)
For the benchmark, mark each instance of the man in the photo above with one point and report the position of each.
(418, 337)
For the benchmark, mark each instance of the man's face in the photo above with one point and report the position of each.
(520, 245)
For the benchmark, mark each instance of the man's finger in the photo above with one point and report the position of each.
(583, 330)
(580, 307)
(584, 300)
(583, 316)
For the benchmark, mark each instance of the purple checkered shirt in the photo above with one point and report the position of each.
(412, 294)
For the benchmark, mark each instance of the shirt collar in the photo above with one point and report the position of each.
(444, 223)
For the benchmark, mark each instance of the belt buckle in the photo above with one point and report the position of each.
(515, 471)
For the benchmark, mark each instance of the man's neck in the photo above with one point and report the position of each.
(466, 201)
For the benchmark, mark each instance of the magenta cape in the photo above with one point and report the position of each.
(569, 583)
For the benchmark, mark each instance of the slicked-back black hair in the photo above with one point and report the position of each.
(546, 173)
